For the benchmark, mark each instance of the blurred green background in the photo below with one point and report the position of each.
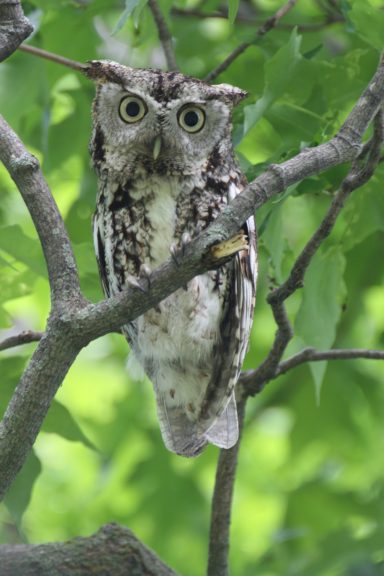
(309, 496)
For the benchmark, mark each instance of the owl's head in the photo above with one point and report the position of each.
(161, 121)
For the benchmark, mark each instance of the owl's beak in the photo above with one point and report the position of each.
(156, 147)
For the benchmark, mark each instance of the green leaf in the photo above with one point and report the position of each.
(130, 5)
(60, 421)
(273, 238)
(278, 76)
(320, 309)
(233, 7)
(369, 23)
(24, 249)
(364, 212)
(19, 495)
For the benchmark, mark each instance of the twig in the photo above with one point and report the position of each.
(54, 57)
(266, 26)
(222, 504)
(164, 35)
(14, 27)
(311, 355)
(22, 338)
(361, 171)
(305, 27)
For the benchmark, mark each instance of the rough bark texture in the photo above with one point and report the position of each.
(74, 322)
(14, 27)
(114, 550)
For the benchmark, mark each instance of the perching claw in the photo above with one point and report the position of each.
(178, 250)
(146, 273)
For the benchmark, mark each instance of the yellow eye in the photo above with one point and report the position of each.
(191, 118)
(132, 109)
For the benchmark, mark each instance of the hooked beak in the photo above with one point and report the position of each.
(156, 147)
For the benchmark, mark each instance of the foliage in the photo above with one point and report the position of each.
(310, 491)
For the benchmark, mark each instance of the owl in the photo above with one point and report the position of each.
(161, 148)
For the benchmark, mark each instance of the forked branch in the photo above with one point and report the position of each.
(361, 171)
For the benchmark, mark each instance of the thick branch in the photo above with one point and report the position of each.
(222, 504)
(25, 171)
(264, 28)
(164, 35)
(112, 550)
(22, 338)
(14, 27)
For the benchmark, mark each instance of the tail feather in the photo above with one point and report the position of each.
(185, 437)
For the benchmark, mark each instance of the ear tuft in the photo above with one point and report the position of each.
(230, 93)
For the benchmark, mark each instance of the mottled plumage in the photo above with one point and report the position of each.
(161, 147)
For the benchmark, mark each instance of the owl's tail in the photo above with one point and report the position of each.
(185, 437)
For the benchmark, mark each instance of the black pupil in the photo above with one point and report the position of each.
(132, 109)
(191, 118)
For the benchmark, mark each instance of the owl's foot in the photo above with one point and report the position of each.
(231, 246)
(133, 282)
(178, 250)
(145, 272)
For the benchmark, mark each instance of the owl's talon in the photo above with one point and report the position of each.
(231, 246)
(185, 240)
(133, 282)
(175, 252)
(146, 273)
(178, 250)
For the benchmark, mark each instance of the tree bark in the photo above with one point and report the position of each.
(113, 550)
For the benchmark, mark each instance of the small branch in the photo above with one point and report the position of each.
(240, 19)
(54, 57)
(222, 503)
(22, 338)
(14, 27)
(266, 27)
(112, 550)
(253, 381)
(25, 171)
(164, 35)
(312, 355)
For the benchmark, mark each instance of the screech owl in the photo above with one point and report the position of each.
(161, 147)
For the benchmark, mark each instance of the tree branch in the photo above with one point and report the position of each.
(14, 27)
(305, 27)
(112, 550)
(25, 171)
(312, 355)
(164, 35)
(264, 28)
(361, 171)
(79, 66)
(22, 338)
(222, 504)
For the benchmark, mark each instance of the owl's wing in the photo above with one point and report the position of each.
(98, 244)
(218, 418)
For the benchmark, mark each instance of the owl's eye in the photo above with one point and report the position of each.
(132, 109)
(191, 118)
